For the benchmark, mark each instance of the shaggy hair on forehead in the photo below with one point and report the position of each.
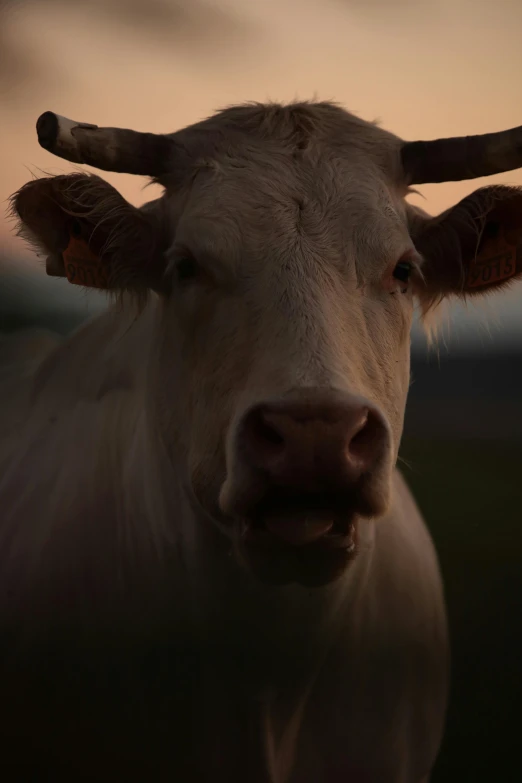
(296, 123)
(295, 128)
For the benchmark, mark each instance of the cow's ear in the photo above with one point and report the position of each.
(91, 234)
(473, 248)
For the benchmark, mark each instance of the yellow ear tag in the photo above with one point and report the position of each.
(497, 261)
(82, 266)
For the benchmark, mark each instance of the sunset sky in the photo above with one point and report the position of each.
(424, 68)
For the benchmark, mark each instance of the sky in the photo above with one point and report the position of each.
(423, 68)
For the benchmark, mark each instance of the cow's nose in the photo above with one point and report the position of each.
(310, 447)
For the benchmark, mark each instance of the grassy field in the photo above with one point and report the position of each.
(471, 495)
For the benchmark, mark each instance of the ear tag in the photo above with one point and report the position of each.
(496, 261)
(82, 266)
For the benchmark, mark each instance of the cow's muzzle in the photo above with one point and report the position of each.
(302, 469)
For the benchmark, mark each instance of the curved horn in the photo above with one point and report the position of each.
(110, 149)
(459, 158)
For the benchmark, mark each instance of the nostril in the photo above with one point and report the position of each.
(268, 431)
(262, 437)
(303, 445)
(364, 446)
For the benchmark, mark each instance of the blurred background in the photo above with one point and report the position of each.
(425, 69)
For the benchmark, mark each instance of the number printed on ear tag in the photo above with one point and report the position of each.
(497, 261)
(492, 270)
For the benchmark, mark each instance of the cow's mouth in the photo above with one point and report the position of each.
(301, 519)
(300, 537)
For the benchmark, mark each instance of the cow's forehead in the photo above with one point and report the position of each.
(262, 175)
(331, 189)
(240, 215)
(289, 148)
(333, 203)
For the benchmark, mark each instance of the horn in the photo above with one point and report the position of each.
(459, 158)
(110, 149)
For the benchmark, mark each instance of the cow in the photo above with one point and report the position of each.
(210, 566)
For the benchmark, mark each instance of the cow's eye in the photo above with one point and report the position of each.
(187, 269)
(402, 271)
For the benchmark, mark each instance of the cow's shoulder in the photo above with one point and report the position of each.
(20, 356)
(97, 357)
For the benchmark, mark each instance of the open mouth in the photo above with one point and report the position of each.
(307, 538)
(303, 519)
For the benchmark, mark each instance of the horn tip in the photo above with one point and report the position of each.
(56, 134)
(47, 129)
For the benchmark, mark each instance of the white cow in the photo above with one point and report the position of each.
(210, 568)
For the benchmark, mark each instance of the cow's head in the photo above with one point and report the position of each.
(287, 263)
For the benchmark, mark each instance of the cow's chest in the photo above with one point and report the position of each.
(166, 715)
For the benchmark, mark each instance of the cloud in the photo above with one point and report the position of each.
(197, 27)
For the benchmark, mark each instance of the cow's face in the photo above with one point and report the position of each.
(287, 264)
(286, 325)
